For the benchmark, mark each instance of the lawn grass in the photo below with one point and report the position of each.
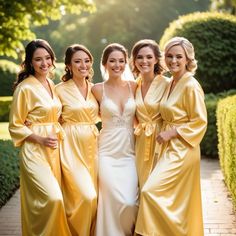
(6, 98)
(9, 171)
(4, 134)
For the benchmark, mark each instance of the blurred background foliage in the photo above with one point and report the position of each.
(64, 22)
(116, 21)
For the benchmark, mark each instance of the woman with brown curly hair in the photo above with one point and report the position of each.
(118, 182)
(79, 149)
(147, 67)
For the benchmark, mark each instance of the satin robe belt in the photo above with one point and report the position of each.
(57, 128)
(91, 124)
(147, 127)
(171, 124)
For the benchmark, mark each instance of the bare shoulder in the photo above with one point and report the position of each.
(133, 85)
(97, 90)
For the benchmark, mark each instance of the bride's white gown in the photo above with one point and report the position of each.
(118, 182)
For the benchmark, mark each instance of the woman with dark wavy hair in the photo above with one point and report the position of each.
(36, 103)
(79, 149)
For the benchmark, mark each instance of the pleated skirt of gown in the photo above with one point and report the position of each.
(118, 184)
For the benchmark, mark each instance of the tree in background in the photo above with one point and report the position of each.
(214, 38)
(16, 18)
(224, 6)
(116, 21)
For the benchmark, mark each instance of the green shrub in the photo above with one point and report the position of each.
(214, 38)
(5, 103)
(210, 140)
(58, 72)
(9, 171)
(8, 73)
(226, 124)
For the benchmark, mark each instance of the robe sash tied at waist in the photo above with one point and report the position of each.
(91, 124)
(56, 128)
(148, 128)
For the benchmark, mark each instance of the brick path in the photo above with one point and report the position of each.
(219, 218)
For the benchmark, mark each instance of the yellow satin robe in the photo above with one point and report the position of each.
(42, 205)
(149, 118)
(170, 202)
(79, 157)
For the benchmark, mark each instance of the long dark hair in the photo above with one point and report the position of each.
(27, 68)
(70, 51)
(158, 68)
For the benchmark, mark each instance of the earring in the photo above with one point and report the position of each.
(31, 68)
(70, 73)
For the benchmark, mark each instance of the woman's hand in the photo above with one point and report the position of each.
(61, 120)
(50, 141)
(165, 136)
(28, 123)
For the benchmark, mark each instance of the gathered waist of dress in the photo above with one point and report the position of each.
(111, 125)
(56, 126)
(147, 127)
(79, 123)
(45, 124)
(91, 125)
(175, 123)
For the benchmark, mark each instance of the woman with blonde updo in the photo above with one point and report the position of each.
(171, 197)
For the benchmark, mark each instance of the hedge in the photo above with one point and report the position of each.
(226, 125)
(8, 73)
(214, 38)
(9, 171)
(5, 103)
(210, 140)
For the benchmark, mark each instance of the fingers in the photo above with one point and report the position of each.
(159, 139)
(51, 142)
(27, 123)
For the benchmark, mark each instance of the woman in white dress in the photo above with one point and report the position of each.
(117, 177)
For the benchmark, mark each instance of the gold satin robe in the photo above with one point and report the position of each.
(79, 157)
(149, 119)
(42, 207)
(170, 203)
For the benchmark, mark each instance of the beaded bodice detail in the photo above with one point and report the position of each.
(111, 114)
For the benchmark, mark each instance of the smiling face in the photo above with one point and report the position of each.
(176, 60)
(41, 62)
(115, 64)
(80, 64)
(145, 61)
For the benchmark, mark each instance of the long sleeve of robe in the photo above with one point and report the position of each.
(40, 175)
(171, 197)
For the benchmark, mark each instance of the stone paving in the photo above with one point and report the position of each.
(219, 217)
(218, 213)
